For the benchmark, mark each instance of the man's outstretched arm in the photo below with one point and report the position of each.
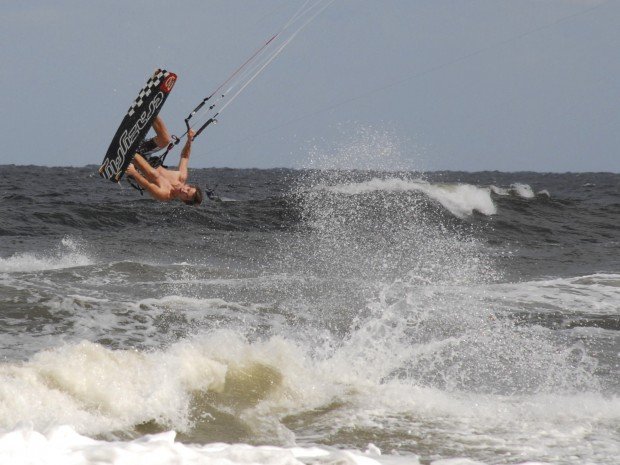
(187, 151)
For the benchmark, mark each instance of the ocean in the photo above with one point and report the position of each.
(311, 317)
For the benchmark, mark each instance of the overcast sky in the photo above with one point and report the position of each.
(457, 84)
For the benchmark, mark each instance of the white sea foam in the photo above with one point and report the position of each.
(98, 390)
(519, 189)
(523, 190)
(69, 253)
(460, 199)
(597, 294)
(63, 445)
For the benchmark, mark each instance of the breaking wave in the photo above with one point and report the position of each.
(67, 255)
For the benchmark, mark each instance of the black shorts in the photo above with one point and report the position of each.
(148, 147)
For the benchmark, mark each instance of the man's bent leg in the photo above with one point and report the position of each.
(163, 136)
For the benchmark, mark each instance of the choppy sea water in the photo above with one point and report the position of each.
(311, 317)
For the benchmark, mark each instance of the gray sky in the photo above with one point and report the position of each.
(459, 85)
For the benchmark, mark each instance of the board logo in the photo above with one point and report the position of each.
(129, 137)
(168, 83)
(111, 168)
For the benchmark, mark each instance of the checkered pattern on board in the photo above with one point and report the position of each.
(151, 84)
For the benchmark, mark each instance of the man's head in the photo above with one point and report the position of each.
(191, 195)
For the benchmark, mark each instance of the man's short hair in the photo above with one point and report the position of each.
(197, 198)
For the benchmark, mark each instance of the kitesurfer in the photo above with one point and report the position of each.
(160, 182)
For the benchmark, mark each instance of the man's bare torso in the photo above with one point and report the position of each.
(168, 179)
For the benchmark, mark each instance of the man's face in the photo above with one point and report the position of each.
(187, 193)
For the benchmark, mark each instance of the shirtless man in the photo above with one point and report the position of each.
(161, 183)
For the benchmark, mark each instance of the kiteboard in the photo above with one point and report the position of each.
(136, 124)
